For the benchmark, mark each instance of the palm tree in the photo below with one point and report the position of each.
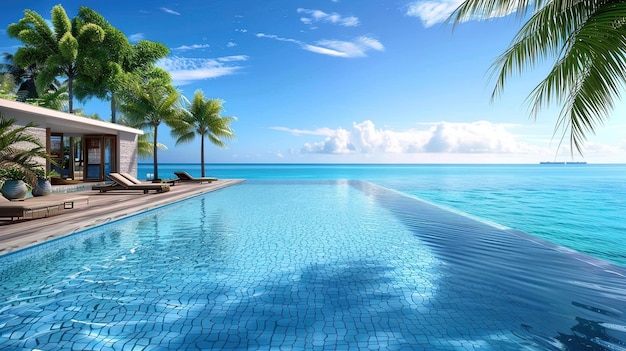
(56, 51)
(151, 104)
(18, 149)
(586, 38)
(119, 58)
(204, 119)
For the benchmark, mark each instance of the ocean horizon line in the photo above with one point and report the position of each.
(380, 164)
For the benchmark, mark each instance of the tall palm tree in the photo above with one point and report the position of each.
(150, 105)
(56, 51)
(20, 150)
(111, 61)
(204, 119)
(586, 38)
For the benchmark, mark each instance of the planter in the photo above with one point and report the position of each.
(43, 187)
(14, 189)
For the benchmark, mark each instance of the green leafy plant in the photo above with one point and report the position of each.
(42, 174)
(12, 173)
(20, 150)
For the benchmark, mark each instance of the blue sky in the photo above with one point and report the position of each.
(344, 81)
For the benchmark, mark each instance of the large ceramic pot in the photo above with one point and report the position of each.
(42, 187)
(14, 189)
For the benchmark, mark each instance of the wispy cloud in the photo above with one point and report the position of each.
(358, 47)
(432, 12)
(321, 16)
(187, 70)
(192, 47)
(230, 44)
(348, 49)
(320, 131)
(440, 137)
(136, 37)
(170, 11)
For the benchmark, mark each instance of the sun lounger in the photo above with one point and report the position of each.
(38, 207)
(186, 177)
(66, 199)
(121, 183)
(137, 181)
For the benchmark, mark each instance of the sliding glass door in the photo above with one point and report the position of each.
(100, 154)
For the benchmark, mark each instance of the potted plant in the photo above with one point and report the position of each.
(13, 186)
(42, 185)
(20, 155)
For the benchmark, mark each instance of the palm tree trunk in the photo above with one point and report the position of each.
(70, 93)
(202, 154)
(154, 153)
(113, 110)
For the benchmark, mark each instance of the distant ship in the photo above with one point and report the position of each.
(563, 163)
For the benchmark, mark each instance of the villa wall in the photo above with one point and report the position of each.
(127, 146)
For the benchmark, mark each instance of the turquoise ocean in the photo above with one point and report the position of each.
(580, 207)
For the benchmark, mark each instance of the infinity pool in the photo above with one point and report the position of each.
(313, 265)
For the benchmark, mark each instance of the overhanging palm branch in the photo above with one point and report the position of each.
(587, 41)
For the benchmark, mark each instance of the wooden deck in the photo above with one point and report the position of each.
(98, 209)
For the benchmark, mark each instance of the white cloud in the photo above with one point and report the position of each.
(480, 137)
(358, 47)
(320, 131)
(432, 12)
(230, 44)
(136, 37)
(186, 70)
(170, 11)
(276, 37)
(321, 16)
(192, 47)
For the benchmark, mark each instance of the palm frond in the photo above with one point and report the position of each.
(586, 40)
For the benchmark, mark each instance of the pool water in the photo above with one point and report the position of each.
(307, 265)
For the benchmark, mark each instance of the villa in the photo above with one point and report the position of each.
(84, 149)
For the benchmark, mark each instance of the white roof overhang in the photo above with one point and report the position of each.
(61, 122)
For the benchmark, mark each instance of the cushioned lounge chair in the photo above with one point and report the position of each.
(137, 181)
(186, 177)
(121, 183)
(38, 207)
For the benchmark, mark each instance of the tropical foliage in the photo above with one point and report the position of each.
(58, 51)
(204, 119)
(24, 78)
(7, 87)
(587, 40)
(19, 150)
(115, 62)
(152, 102)
(97, 60)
